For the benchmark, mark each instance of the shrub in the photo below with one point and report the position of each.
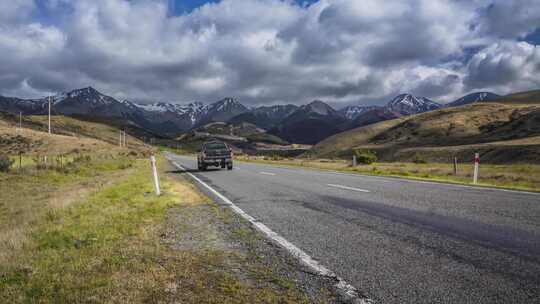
(365, 157)
(5, 163)
(419, 159)
(82, 159)
(276, 157)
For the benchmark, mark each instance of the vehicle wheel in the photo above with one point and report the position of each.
(203, 167)
(229, 167)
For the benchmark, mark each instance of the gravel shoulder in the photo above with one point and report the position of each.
(208, 228)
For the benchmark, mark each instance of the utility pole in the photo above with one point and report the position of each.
(120, 139)
(49, 114)
(20, 121)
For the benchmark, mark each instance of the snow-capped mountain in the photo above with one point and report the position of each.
(85, 95)
(86, 101)
(266, 117)
(89, 102)
(163, 107)
(222, 110)
(26, 106)
(305, 124)
(192, 115)
(473, 98)
(162, 118)
(407, 104)
(310, 123)
(318, 107)
(352, 112)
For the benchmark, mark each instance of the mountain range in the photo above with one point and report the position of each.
(307, 124)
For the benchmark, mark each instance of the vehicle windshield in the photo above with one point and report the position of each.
(215, 146)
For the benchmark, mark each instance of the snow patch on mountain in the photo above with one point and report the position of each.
(473, 98)
(352, 112)
(407, 104)
(318, 107)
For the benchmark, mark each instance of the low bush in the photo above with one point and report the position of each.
(276, 157)
(365, 157)
(419, 159)
(5, 163)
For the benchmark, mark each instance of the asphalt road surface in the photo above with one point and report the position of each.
(397, 240)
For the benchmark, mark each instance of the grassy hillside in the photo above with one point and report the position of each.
(501, 132)
(529, 97)
(248, 131)
(69, 134)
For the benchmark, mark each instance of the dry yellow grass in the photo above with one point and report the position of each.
(343, 142)
(107, 247)
(29, 196)
(68, 134)
(503, 132)
(92, 230)
(41, 143)
(529, 97)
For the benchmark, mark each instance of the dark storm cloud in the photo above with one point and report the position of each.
(509, 19)
(437, 86)
(267, 51)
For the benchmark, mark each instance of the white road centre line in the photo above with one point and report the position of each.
(267, 173)
(348, 188)
(342, 286)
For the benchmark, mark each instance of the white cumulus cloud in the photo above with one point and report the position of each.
(267, 51)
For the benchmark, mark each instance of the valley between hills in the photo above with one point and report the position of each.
(503, 129)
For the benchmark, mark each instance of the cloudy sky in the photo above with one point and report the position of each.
(269, 51)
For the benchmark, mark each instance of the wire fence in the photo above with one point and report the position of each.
(63, 163)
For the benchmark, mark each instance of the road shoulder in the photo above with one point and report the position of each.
(269, 273)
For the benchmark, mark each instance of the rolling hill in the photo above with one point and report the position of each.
(528, 97)
(69, 135)
(501, 131)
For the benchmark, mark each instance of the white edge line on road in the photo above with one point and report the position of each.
(348, 188)
(348, 290)
(268, 173)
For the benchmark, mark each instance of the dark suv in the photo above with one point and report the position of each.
(214, 153)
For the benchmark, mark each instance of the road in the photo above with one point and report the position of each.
(397, 240)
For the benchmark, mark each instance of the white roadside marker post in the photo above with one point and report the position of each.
(154, 171)
(49, 114)
(476, 167)
(120, 140)
(354, 162)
